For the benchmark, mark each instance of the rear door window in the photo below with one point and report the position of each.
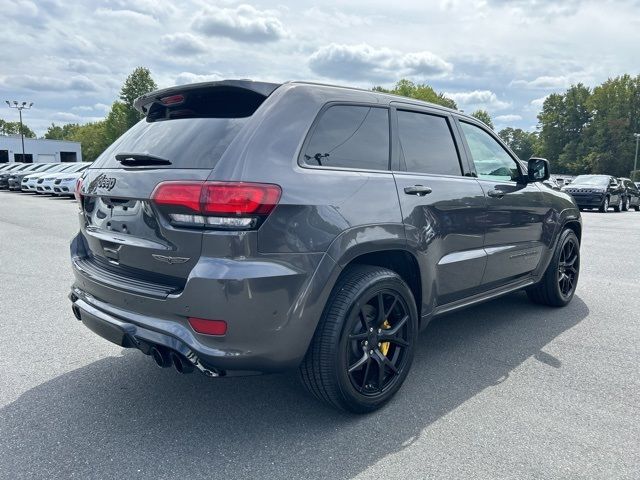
(426, 144)
(349, 136)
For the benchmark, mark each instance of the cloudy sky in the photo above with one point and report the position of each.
(70, 58)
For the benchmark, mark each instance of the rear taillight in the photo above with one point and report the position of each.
(222, 205)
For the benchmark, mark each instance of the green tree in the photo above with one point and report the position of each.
(522, 143)
(421, 91)
(616, 117)
(117, 122)
(137, 83)
(484, 117)
(13, 128)
(57, 132)
(93, 139)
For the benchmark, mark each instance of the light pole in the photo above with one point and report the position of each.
(635, 162)
(20, 107)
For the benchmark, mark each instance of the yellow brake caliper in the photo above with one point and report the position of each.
(384, 347)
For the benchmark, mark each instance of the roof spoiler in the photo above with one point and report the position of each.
(144, 102)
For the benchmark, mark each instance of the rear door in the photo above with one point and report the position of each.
(185, 134)
(442, 208)
(515, 210)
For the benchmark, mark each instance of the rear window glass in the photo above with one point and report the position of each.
(185, 142)
(426, 144)
(350, 136)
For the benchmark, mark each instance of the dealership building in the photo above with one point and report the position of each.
(38, 150)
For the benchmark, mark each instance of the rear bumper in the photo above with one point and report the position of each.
(271, 308)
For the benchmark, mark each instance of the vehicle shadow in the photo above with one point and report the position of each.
(124, 416)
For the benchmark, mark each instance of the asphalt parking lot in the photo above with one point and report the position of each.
(503, 390)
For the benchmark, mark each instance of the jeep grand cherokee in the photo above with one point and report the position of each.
(247, 227)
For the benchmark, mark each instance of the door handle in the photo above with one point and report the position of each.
(495, 193)
(419, 190)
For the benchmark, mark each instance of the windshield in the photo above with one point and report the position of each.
(598, 180)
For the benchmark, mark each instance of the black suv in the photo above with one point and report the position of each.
(597, 191)
(247, 227)
(631, 196)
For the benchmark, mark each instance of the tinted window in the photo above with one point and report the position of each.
(351, 137)
(185, 142)
(492, 162)
(426, 144)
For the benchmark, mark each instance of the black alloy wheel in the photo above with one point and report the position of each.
(568, 266)
(378, 342)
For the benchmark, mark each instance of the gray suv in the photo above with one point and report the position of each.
(247, 227)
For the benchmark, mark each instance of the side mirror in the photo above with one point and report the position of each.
(538, 169)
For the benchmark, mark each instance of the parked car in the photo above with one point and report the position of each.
(246, 227)
(64, 183)
(23, 167)
(44, 183)
(30, 181)
(15, 179)
(596, 191)
(631, 196)
(7, 166)
(551, 183)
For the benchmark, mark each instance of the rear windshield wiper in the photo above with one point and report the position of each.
(140, 159)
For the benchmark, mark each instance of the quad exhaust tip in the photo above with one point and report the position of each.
(161, 356)
(181, 364)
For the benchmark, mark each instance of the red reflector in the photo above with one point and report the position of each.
(208, 327)
(223, 198)
(179, 194)
(172, 100)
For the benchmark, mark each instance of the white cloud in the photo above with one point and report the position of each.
(80, 65)
(507, 118)
(44, 83)
(485, 99)
(243, 23)
(544, 82)
(538, 102)
(364, 62)
(188, 77)
(126, 16)
(183, 44)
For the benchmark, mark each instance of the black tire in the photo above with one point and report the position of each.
(340, 367)
(637, 207)
(552, 289)
(604, 206)
(618, 207)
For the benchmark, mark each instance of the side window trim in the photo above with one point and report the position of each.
(300, 160)
(397, 163)
(458, 121)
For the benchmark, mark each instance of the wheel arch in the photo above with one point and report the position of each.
(400, 261)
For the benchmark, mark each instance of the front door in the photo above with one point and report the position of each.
(515, 209)
(442, 209)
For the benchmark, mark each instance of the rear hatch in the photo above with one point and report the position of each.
(149, 242)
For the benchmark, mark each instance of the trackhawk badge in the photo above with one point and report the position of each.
(170, 260)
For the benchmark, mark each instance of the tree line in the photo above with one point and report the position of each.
(582, 130)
